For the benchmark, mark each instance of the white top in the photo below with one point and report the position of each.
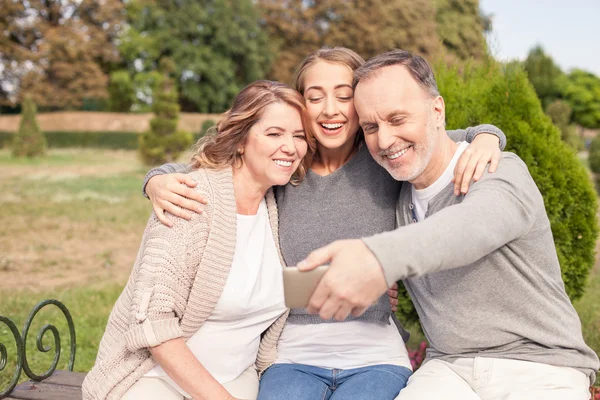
(421, 198)
(342, 345)
(252, 299)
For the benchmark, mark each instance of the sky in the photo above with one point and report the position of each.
(569, 31)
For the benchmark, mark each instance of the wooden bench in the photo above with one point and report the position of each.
(61, 385)
(58, 384)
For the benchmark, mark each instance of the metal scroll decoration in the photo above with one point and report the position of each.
(21, 343)
(4, 356)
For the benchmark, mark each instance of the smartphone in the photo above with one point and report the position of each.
(298, 286)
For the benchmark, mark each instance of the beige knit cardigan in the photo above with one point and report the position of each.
(175, 284)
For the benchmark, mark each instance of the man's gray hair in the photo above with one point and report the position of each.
(418, 68)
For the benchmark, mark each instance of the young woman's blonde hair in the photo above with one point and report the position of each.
(221, 144)
(335, 55)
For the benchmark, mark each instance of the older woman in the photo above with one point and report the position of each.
(189, 321)
(346, 194)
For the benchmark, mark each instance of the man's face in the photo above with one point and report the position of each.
(400, 120)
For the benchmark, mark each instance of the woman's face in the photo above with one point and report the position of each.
(330, 103)
(275, 145)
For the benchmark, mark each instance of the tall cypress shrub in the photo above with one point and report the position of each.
(29, 140)
(501, 94)
(163, 142)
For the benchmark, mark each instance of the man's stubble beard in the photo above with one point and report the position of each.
(423, 155)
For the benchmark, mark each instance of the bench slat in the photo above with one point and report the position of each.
(45, 391)
(66, 378)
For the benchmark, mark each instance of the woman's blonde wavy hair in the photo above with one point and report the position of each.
(219, 147)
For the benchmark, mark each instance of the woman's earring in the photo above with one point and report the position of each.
(240, 151)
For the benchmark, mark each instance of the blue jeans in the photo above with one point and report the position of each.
(303, 382)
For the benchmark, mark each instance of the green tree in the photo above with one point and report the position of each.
(371, 27)
(582, 92)
(502, 95)
(163, 142)
(16, 42)
(293, 34)
(121, 91)
(433, 29)
(58, 52)
(546, 77)
(461, 26)
(368, 27)
(218, 47)
(29, 140)
(560, 114)
(145, 83)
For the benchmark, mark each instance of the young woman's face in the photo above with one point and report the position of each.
(275, 145)
(330, 103)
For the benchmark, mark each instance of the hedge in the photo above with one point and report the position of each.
(100, 140)
(501, 94)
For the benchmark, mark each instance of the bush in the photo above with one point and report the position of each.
(582, 92)
(121, 92)
(6, 139)
(206, 125)
(502, 95)
(97, 140)
(594, 157)
(163, 142)
(560, 114)
(93, 104)
(29, 140)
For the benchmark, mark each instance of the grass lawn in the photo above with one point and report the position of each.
(70, 228)
(89, 306)
(70, 218)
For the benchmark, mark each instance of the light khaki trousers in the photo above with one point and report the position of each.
(495, 379)
(243, 387)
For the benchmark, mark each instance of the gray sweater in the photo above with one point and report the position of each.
(355, 201)
(483, 273)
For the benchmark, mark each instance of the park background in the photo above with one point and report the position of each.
(95, 92)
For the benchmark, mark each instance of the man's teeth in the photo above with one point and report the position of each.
(332, 126)
(283, 163)
(398, 154)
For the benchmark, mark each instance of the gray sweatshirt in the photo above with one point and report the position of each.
(483, 273)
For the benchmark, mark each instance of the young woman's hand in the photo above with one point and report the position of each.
(393, 295)
(484, 150)
(174, 193)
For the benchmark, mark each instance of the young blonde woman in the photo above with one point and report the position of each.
(345, 194)
(189, 321)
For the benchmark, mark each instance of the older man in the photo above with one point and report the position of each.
(481, 269)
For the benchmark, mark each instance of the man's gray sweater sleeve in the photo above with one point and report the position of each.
(468, 135)
(497, 209)
(164, 169)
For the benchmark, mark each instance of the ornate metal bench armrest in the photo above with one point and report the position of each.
(21, 342)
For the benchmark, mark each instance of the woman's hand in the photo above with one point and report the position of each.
(484, 149)
(174, 193)
(393, 295)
